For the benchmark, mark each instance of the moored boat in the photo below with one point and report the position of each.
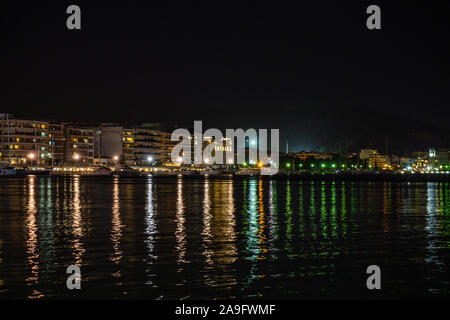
(125, 171)
(7, 171)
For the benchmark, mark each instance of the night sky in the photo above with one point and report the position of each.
(264, 64)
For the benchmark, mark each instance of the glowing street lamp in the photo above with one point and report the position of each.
(76, 157)
(116, 158)
(149, 158)
(31, 156)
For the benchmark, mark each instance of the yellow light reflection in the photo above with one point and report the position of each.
(77, 227)
(180, 233)
(32, 238)
(150, 229)
(116, 230)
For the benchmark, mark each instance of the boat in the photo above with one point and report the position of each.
(89, 171)
(125, 171)
(165, 173)
(248, 172)
(100, 171)
(33, 171)
(213, 171)
(186, 172)
(7, 171)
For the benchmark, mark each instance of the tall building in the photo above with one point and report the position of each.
(148, 144)
(56, 141)
(79, 144)
(376, 160)
(111, 141)
(23, 141)
(128, 146)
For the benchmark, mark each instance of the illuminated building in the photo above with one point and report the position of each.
(79, 144)
(147, 143)
(23, 141)
(56, 141)
(128, 148)
(376, 160)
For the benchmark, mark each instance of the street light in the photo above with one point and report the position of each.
(31, 156)
(149, 158)
(76, 157)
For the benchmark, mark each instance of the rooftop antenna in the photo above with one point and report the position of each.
(287, 147)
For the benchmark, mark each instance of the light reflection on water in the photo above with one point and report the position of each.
(170, 238)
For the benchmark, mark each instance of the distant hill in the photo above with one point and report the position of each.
(355, 129)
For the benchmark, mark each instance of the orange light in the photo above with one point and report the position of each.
(260, 164)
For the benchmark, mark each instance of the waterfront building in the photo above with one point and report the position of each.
(147, 144)
(365, 154)
(443, 159)
(56, 142)
(431, 161)
(128, 146)
(111, 144)
(23, 141)
(375, 160)
(166, 147)
(79, 144)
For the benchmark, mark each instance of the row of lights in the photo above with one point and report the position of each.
(323, 165)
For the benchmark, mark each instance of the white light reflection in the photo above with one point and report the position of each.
(431, 228)
(150, 228)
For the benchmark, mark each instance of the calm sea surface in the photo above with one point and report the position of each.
(216, 238)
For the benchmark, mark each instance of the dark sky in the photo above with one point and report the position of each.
(227, 63)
